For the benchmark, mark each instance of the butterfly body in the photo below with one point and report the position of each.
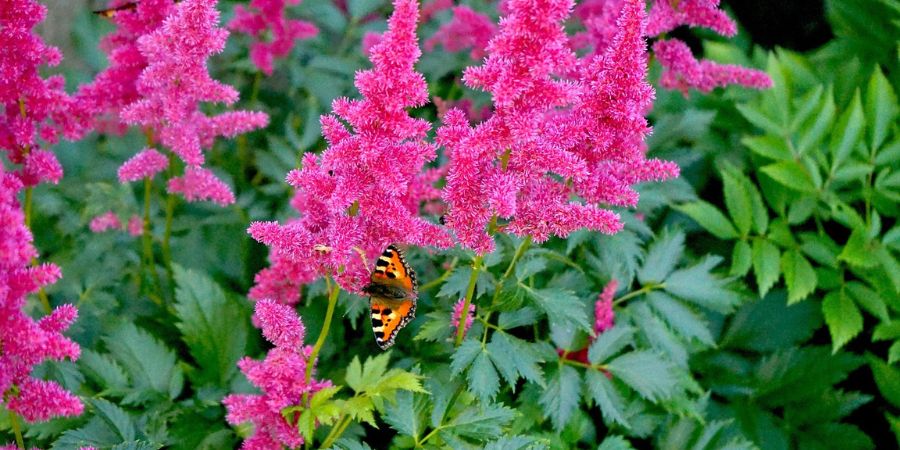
(111, 12)
(392, 290)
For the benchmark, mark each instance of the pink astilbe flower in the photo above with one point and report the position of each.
(135, 226)
(599, 19)
(473, 114)
(603, 308)
(666, 15)
(364, 191)
(171, 88)
(458, 313)
(198, 183)
(266, 17)
(279, 377)
(683, 71)
(432, 7)
(369, 40)
(26, 342)
(561, 126)
(145, 164)
(32, 108)
(106, 221)
(467, 29)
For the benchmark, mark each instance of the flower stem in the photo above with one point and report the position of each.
(332, 302)
(470, 292)
(439, 280)
(641, 291)
(17, 429)
(336, 431)
(167, 234)
(148, 237)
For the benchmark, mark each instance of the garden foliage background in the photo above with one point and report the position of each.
(750, 302)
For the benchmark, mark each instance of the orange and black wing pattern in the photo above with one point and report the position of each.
(111, 12)
(393, 288)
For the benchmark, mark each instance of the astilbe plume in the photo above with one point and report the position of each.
(279, 377)
(171, 88)
(604, 319)
(681, 70)
(467, 29)
(599, 20)
(560, 126)
(267, 17)
(104, 222)
(365, 190)
(32, 109)
(26, 342)
(116, 86)
(457, 315)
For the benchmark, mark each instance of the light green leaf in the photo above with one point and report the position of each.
(738, 201)
(848, 131)
(103, 370)
(700, 286)
(881, 108)
(562, 395)
(464, 355)
(561, 306)
(514, 357)
(769, 145)
(647, 373)
(890, 265)
(681, 318)
(481, 422)
(790, 174)
(404, 415)
(798, 275)
(483, 379)
(758, 118)
(887, 378)
(607, 398)
(612, 442)
(741, 259)
(765, 265)
(858, 250)
(843, 318)
(869, 300)
(662, 257)
(610, 342)
(214, 328)
(710, 218)
(821, 126)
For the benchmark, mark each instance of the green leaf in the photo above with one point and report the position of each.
(483, 379)
(881, 108)
(645, 372)
(869, 300)
(681, 318)
(436, 328)
(790, 174)
(483, 422)
(561, 306)
(798, 275)
(890, 265)
(843, 318)
(821, 126)
(562, 395)
(404, 415)
(115, 418)
(514, 357)
(710, 218)
(770, 146)
(756, 117)
(858, 250)
(607, 398)
(848, 131)
(362, 8)
(464, 355)
(150, 365)
(609, 343)
(887, 378)
(700, 286)
(520, 317)
(612, 442)
(456, 284)
(214, 328)
(765, 265)
(741, 259)
(322, 410)
(103, 370)
(738, 201)
(662, 257)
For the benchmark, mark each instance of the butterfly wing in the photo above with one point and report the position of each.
(389, 316)
(391, 269)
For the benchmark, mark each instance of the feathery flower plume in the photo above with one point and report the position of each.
(603, 308)
(135, 226)
(432, 7)
(266, 17)
(683, 71)
(26, 342)
(666, 15)
(467, 29)
(365, 190)
(171, 88)
(599, 19)
(106, 221)
(279, 377)
(145, 164)
(561, 126)
(458, 313)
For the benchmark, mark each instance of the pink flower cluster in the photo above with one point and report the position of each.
(267, 17)
(604, 319)
(365, 190)
(110, 221)
(457, 315)
(26, 342)
(467, 29)
(562, 126)
(171, 88)
(280, 377)
(32, 109)
(599, 20)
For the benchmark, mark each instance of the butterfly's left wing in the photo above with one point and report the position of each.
(389, 316)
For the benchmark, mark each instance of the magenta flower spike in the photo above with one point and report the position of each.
(365, 190)
(561, 126)
(267, 17)
(666, 15)
(457, 315)
(104, 222)
(467, 29)
(172, 87)
(604, 317)
(145, 164)
(279, 377)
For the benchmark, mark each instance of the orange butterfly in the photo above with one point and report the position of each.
(110, 12)
(393, 290)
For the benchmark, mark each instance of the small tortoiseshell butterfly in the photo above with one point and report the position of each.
(393, 290)
(111, 12)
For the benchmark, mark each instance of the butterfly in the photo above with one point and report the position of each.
(392, 289)
(110, 12)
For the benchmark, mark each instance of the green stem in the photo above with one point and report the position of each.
(339, 427)
(17, 429)
(641, 291)
(167, 233)
(470, 292)
(28, 197)
(148, 237)
(332, 302)
(439, 280)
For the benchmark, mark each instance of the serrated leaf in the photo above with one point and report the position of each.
(710, 218)
(681, 318)
(436, 327)
(741, 259)
(738, 202)
(148, 362)
(790, 174)
(454, 287)
(404, 414)
(530, 266)
(115, 418)
(889, 263)
(662, 257)
(214, 328)
(103, 370)
(824, 118)
(513, 443)
(517, 318)
(481, 423)
(612, 442)
(610, 342)
(798, 275)
(843, 318)
(858, 250)
(561, 397)
(607, 398)
(513, 358)
(766, 262)
(645, 372)
(561, 306)
(464, 355)
(881, 108)
(482, 378)
(848, 131)
(700, 286)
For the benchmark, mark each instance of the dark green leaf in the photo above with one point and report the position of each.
(483, 379)
(561, 306)
(464, 355)
(612, 442)
(681, 318)
(645, 372)
(514, 357)
(607, 398)
(562, 395)
(662, 257)
(149, 363)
